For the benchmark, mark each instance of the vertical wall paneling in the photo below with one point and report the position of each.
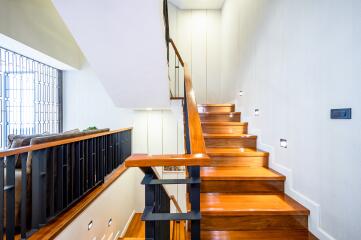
(198, 37)
(213, 57)
(199, 54)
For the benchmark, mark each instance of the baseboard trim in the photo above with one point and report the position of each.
(127, 224)
(117, 236)
(315, 208)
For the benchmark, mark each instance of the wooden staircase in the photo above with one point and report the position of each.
(241, 198)
(136, 229)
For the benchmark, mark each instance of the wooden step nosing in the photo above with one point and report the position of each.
(213, 123)
(240, 178)
(255, 212)
(237, 154)
(228, 136)
(216, 105)
(220, 113)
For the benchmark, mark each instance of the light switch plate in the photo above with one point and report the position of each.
(341, 113)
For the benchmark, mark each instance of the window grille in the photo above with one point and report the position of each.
(30, 96)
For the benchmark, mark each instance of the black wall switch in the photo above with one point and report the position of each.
(342, 113)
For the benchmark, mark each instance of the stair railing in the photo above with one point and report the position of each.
(157, 214)
(41, 181)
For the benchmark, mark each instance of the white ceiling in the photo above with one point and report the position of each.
(198, 4)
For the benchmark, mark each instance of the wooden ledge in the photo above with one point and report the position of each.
(19, 150)
(55, 227)
(144, 160)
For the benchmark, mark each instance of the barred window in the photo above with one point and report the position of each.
(30, 96)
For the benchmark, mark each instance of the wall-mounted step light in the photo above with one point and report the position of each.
(110, 222)
(240, 93)
(90, 225)
(283, 143)
(256, 112)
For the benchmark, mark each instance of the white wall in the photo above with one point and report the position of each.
(197, 36)
(118, 203)
(86, 103)
(37, 25)
(161, 132)
(295, 61)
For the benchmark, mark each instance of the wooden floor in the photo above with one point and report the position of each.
(136, 229)
(241, 198)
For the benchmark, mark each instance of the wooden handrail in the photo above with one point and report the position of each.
(177, 52)
(19, 150)
(196, 139)
(194, 123)
(176, 204)
(144, 160)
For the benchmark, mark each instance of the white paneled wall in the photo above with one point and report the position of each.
(161, 132)
(197, 35)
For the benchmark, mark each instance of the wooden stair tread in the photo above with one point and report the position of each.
(224, 123)
(239, 173)
(258, 235)
(236, 152)
(228, 135)
(216, 105)
(220, 113)
(242, 205)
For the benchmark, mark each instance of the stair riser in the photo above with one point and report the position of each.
(237, 142)
(243, 186)
(243, 129)
(253, 222)
(220, 117)
(239, 161)
(216, 109)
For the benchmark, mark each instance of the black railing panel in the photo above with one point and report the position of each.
(50, 180)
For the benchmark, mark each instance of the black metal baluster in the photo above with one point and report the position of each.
(102, 159)
(91, 164)
(51, 181)
(82, 166)
(86, 163)
(38, 188)
(24, 199)
(9, 189)
(97, 158)
(60, 167)
(2, 197)
(78, 189)
(149, 203)
(194, 196)
(73, 179)
(65, 175)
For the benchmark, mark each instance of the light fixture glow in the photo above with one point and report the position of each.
(149, 109)
(110, 222)
(256, 112)
(240, 93)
